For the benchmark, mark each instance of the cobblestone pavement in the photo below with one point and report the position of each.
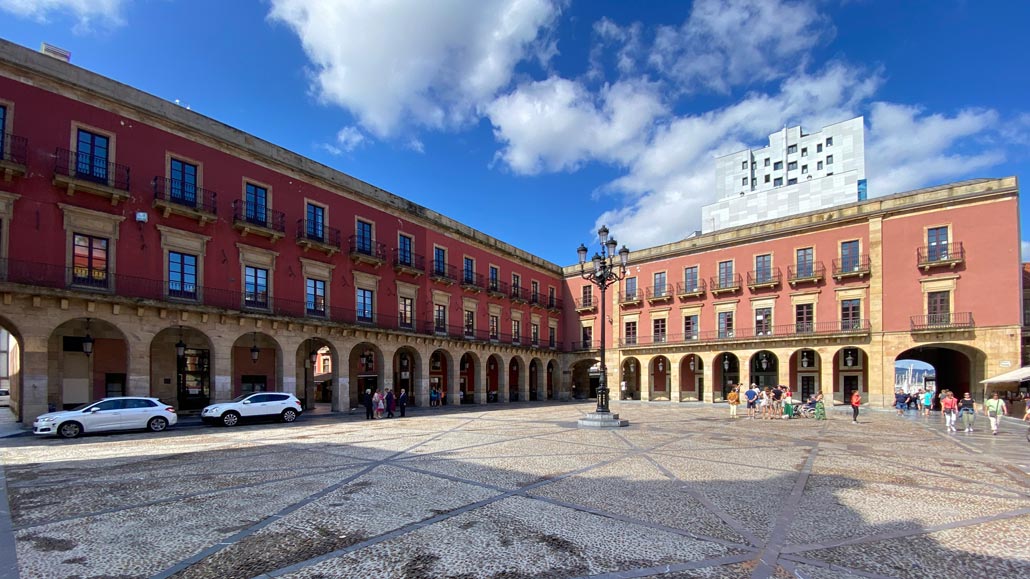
(519, 491)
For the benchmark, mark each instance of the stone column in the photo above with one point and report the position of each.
(288, 372)
(452, 378)
(421, 383)
(34, 378)
(646, 378)
(674, 382)
(221, 366)
(480, 381)
(708, 395)
(138, 367)
(341, 391)
(826, 377)
(524, 382)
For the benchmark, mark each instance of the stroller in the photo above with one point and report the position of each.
(806, 410)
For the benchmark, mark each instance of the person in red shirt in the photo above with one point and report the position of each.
(856, 401)
(949, 406)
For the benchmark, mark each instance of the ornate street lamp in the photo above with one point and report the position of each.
(254, 350)
(87, 342)
(604, 272)
(691, 362)
(180, 346)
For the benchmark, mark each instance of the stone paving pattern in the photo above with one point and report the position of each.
(520, 492)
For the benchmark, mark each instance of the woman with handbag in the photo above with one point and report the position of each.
(995, 408)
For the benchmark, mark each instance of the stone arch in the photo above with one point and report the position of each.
(585, 374)
(957, 367)
(441, 376)
(630, 374)
(257, 364)
(471, 389)
(659, 378)
(366, 369)
(187, 381)
(13, 344)
(536, 380)
(725, 374)
(691, 377)
(315, 385)
(517, 383)
(763, 369)
(73, 377)
(805, 373)
(553, 380)
(407, 374)
(850, 371)
(496, 376)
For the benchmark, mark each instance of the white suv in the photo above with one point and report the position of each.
(121, 413)
(256, 406)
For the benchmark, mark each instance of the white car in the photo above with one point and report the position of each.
(256, 406)
(121, 413)
(5, 397)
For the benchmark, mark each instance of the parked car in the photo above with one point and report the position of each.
(5, 397)
(118, 413)
(256, 406)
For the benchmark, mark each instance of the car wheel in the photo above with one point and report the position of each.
(69, 430)
(230, 419)
(157, 424)
(289, 415)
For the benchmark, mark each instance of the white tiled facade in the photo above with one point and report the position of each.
(795, 173)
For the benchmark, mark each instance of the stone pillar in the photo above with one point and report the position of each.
(826, 377)
(480, 381)
(708, 395)
(452, 379)
(221, 366)
(341, 391)
(646, 378)
(782, 368)
(138, 367)
(524, 382)
(674, 382)
(34, 378)
(288, 371)
(421, 381)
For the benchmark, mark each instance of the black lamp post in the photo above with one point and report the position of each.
(605, 272)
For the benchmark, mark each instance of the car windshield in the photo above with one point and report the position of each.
(81, 407)
(241, 398)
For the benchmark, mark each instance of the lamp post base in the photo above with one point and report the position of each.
(602, 420)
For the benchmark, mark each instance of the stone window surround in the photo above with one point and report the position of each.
(369, 222)
(410, 291)
(6, 212)
(73, 139)
(325, 211)
(257, 257)
(840, 246)
(470, 304)
(188, 243)
(169, 156)
(757, 304)
(370, 282)
(927, 228)
(318, 270)
(268, 190)
(89, 222)
(939, 283)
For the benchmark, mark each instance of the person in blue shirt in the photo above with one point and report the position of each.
(752, 399)
(900, 401)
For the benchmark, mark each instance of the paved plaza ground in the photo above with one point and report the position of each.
(519, 491)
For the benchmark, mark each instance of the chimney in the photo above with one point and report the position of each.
(56, 52)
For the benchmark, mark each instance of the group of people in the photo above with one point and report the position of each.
(963, 411)
(377, 404)
(436, 396)
(922, 400)
(772, 402)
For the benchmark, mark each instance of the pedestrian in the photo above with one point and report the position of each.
(765, 402)
(368, 405)
(995, 409)
(927, 402)
(734, 399)
(856, 401)
(402, 401)
(377, 400)
(820, 407)
(949, 407)
(777, 402)
(752, 401)
(390, 402)
(967, 412)
(900, 401)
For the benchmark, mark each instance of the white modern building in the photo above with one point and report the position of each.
(796, 173)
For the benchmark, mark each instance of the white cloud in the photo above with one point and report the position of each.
(725, 43)
(88, 13)
(347, 139)
(397, 64)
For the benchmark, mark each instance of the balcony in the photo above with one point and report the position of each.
(583, 345)
(14, 156)
(91, 174)
(693, 289)
(806, 273)
(585, 304)
(943, 322)
(728, 283)
(764, 278)
(472, 282)
(365, 250)
(802, 331)
(186, 199)
(259, 220)
(855, 266)
(519, 295)
(443, 273)
(658, 294)
(406, 262)
(950, 255)
(554, 305)
(497, 288)
(631, 298)
(535, 299)
(318, 236)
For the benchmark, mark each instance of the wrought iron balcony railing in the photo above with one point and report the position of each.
(948, 321)
(631, 297)
(410, 261)
(855, 265)
(758, 333)
(943, 254)
(317, 232)
(91, 168)
(365, 247)
(497, 288)
(806, 272)
(14, 149)
(725, 283)
(258, 215)
(693, 288)
(443, 271)
(761, 278)
(472, 281)
(185, 194)
(658, 293)
(518, 294)
(586, 303)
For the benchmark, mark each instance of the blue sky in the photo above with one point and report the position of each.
(536, 120)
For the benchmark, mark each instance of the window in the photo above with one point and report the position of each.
(829, 141)
(629, 334)
(495, 277)
(690, 278)
(365, 301)
(819, 166)
(552, 302)
(534, 291)
(588, 336)
(470, 323)
(938, 308)
(440, 318)
(778, 166)
(363, 237)
(89, 261)
(804, 169)
(534, 334)
(754, 182)
(587, 294)
(763, 268)
(766, 179)
(495, 327)
(3, 128)
(631, 288)
(516, 282)
(726, 274)
(439, 261)
(468, 270)
(314, 297)
(404, 244)
(937, 243)
(792, 181)
(256, 210)
(778, 182)
(763, 321)
(660, 288)
(552, 337)
(690, 327)
(658, 331)
(849, 257)
(829, 160)
(819, 148)
(851, 314)
(315, 229)
(743, 181)
(804, 262)
(792, 166)
(792, 149)
(182, 186)
(516, 331)
(182, 275)
(725, 324)
(766, 163)
(743, 165)
(406, 313)
(255, 287)
(803, 318)
(804, 151)
(91, 156)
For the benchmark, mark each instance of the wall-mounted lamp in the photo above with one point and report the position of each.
(764, 361)
(726, 362)
(661, 365)
(849, 360)
(180, 346)
(691, 362)
(313, 357)
(804, 360)
(254, 350)
(87, 342)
